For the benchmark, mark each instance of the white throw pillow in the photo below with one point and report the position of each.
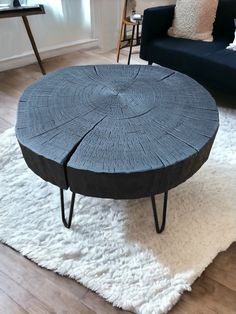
(194, 19)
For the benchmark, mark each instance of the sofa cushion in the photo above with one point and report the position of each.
(190, 47)
(194, 19)
(223, 65)
(225, 58)
(187, 56)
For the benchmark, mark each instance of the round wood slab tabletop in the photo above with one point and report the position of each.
(116, 131)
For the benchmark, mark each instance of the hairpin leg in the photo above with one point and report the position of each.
(160, 228)
(66, 223)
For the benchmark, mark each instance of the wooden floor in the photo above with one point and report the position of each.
(27, 288)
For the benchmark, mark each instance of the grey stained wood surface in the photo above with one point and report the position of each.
(116, 131)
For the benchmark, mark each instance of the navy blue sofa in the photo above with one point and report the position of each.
(208, 63)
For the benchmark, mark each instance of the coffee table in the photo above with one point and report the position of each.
(116, 131)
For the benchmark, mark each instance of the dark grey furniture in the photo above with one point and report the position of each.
(209, 63)
(116, 131)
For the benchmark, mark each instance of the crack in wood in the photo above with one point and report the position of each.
(74, 148)
(166, 77)
(138, 115)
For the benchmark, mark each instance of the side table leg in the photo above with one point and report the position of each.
(131, 44)
(31, 37)
(66, 223)
(160, 228)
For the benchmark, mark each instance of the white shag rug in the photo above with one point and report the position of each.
(112, 247)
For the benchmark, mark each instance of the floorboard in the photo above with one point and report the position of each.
(8, 305)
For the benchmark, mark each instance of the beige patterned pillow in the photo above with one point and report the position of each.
(194, 19)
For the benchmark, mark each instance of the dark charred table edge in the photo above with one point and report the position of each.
(116, 190)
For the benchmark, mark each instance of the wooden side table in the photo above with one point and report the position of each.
(125, 23)
(134, 25)
(6, 12)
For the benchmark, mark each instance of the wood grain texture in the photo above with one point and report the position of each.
(22, 296)
(116, 131)
(221, 271)
(8, 306)
(42, 291)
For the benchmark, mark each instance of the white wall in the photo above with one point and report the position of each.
(107, 18)
(106, 22)
(66, 23)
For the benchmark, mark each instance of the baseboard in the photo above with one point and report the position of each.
(29, 57)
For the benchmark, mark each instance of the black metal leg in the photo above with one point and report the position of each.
(150, 62)
(160, 228)
(137, 36)
(66, 223)
(131, 44)
(125, 33)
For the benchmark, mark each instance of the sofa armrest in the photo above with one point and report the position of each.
(156, 22)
